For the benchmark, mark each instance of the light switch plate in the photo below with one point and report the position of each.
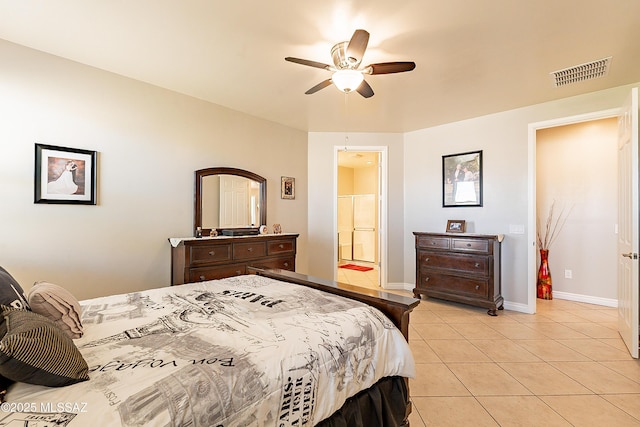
(516, 229)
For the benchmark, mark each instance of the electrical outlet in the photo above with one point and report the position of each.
(568, 274)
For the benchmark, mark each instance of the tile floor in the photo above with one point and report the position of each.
(367, 279)
(564, 366)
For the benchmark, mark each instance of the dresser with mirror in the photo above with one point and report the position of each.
(233, 204)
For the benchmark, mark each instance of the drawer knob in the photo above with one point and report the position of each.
(477, 287)
(281, 246)
(286, 264)
(212, 253)
(426, 259)
(426, 279)
(433, 243)
(468, 245)
(477, 264)
(250, 249)
(202, 277)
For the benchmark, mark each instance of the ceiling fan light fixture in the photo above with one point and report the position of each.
(347, 74)
(347, 80)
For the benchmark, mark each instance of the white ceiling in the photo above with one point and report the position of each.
(473, 57)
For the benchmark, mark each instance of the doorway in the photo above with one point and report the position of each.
(575, 268)
(359, 216)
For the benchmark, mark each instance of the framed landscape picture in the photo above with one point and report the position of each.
(64, 175)
(462, 179)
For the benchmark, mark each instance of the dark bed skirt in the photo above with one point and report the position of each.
(384, 404)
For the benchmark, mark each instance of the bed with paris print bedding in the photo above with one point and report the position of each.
(241, 351)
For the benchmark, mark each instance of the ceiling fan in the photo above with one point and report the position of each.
(347, 56)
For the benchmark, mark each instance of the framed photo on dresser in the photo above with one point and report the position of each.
(456, 226)
(64, 175)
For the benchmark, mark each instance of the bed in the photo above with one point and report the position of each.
(274, 348)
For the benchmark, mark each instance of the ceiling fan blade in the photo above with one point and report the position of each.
(390, 67)
(365, 90)
(319, 86)
(307, 62)
(357, 45)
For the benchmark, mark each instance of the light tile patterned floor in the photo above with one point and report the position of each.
(564, 366)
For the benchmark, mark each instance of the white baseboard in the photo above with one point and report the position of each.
(516, 306)
(400, 286)
(607, 302)
(524, 308)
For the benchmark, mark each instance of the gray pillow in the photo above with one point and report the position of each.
(57, 304)
(34, 350)
(11, 294)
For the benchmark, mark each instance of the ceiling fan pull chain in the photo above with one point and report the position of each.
(346, 121)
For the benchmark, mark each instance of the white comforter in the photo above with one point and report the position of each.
(242, 351)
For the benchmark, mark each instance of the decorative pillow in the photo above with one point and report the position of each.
(11, 294)
(34, 350)
(57, 304)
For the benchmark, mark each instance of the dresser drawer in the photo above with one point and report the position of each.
(249, 250)
(433, 242)
(194, 260)
(455, 284)
(288, 263)
(209, 253)
(470, 245)
(279, 247)
(459, 263)
(212, 273)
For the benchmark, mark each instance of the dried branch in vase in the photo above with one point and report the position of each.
(547, 235)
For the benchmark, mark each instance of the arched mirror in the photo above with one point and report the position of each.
(229, 198)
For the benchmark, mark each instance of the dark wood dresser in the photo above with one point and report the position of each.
(208, 258)
(460, 267)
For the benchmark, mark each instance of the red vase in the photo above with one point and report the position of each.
(544, 276)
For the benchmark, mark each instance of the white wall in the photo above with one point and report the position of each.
(149, 142)
(322, 203)
(577, 167)
(503, 137)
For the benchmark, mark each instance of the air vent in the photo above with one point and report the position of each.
(578, 73)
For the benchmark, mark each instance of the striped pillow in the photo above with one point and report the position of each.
(34, 350)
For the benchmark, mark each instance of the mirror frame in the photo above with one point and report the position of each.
(226, 171)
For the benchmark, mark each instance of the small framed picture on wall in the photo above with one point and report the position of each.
(288, 188)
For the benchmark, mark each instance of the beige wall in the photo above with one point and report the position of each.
(149, 143)
(365, 180)
(345, 181)
(151, 140)
(357, 180)
(576, 165)
(504, 139)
